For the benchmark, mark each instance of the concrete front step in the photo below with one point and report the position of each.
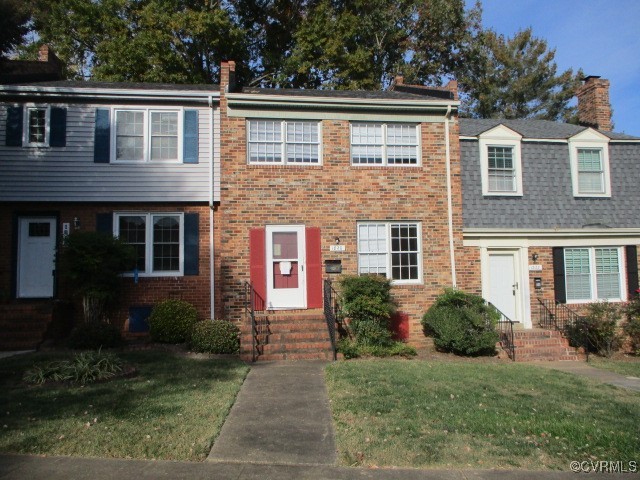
(296, 356)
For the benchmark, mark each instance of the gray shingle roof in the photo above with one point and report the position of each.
(121, 85)
(358, 94)
(472, 127)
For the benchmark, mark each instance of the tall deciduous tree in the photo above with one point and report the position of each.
(14, 19)
(516, 78)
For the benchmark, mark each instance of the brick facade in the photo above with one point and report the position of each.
(148, 290)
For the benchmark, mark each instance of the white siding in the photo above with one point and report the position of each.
(69, 173)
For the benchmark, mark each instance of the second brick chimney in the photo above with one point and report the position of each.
(227, 76)
(594, 108)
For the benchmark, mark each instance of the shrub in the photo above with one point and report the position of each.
(83, 368)
(216, 336)
(597, 331)
(631, 326)
(367, 301)
(462, 323)
(95, 335)
(172, 321)
(352, 349)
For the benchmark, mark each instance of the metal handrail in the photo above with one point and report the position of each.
(505, 325)
(553, 314)
(258, 328)
(332, 312)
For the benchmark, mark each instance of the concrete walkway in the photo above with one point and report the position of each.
(19, 467)
(281, 416)
(585, 370)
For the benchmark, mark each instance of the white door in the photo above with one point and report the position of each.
(286, 276)
(503, 283)
(36, 254)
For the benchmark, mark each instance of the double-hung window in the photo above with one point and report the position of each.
(283, 142)
(590, 171)
(501, 162)
(593, 274)
(37, 126)
(589, 157)
(147, 135)
(384, 144)
(392, 249)
(157, 238)
(502, 172)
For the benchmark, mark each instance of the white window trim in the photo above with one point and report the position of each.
(385, 159)
(283, 142)
(590, 142)
(149, 242)
(387, 225)
(25, 126)
(500, 136)
(593, 276)
(146, 157)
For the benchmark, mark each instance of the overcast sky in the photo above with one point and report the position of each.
(601, 37)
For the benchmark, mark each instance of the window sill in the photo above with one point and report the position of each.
(592, 195)
(502, 194)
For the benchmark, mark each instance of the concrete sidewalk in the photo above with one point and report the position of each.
(281, 416)
(583, 369)
(20, 467)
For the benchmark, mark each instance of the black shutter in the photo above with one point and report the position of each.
(559, 286)
(190, 140)
(102, 142)
(632, 270)
(104, 223)
(14, 127)
(58, 127)
(191, 244)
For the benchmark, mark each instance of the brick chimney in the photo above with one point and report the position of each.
(227, 76)
(594, 108)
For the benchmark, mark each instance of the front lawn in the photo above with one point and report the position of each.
(172, 410)
(477, 415)
(624, 365)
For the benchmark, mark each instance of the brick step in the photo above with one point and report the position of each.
(284, 337)
(33, 326)
(548, 342)
(548, 358)
(296, 347)
(296, 327)
(296, 356)
(543, 351)
(537, 334)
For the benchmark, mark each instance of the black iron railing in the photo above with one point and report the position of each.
(505, 330)
(254, 303)
(552, 314)
(332, 313)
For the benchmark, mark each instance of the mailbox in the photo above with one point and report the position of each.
(333, 266)
(537, 283)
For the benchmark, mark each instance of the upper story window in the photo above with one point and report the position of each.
(500, 161)
(157, 238)
(384, 144)
(392, 249)
(147, 135)
(589, 157)
(593, 274)
(37, 126)
(282, 142)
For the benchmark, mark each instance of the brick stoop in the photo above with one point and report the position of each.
(23, 324)
(291, 335)
(542, 345)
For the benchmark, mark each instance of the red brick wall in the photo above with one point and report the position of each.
(333, 197)
(149, 290)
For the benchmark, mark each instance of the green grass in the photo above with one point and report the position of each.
(173, 409)
(629, 367)
(477, 415)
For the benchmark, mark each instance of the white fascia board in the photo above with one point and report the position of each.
(245, 99)
(483, 237)
(109, 93)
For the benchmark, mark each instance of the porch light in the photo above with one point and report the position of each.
(534, 257)
(76, 223)
(337, 240)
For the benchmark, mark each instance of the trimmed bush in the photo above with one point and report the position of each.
(631, 326)
(83, 368)
(352, 349)
(95, 335)
(215, 336)
(462, 323)
(367, 301)
(597, 331)
(172, 321)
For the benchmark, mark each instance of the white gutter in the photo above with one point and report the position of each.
(452, 254)
(109, 93)
(560, 233)
(212, 280)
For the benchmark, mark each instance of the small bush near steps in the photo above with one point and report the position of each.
(631, 327)
(95, 335)
(215, 336)
(172, 321)
(83, 368)
(462, 323)
(598, 329)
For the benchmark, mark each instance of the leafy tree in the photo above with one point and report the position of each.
(14, 24)
(516, 78)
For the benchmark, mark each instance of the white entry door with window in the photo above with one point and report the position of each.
(504, 288)
(36, 255)
(286, 276)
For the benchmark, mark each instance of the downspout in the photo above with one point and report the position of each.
(212, 281)
(452, 255)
